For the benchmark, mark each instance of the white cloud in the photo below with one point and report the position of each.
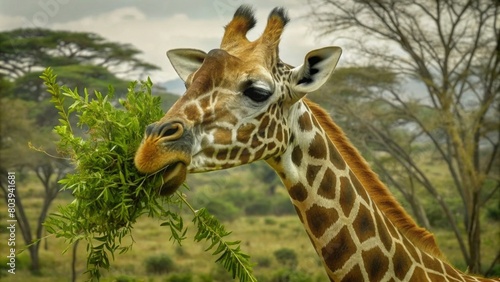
(11, 22)
(152, 36)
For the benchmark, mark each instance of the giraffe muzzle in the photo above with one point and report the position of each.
(166, 149)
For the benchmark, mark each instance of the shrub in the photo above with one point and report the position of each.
(269, 221)
(263, 261)
(286, 257)
(180, 277)
(223, 210)
(287, 275)
(283, 206)
(124, 278)
(159, 264)
(262, 207)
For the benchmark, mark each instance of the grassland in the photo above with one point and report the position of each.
(260, 237)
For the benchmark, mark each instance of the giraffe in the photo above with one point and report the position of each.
(243, 104)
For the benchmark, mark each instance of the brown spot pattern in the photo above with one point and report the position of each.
(431, 263)
(418, 275)
(347, 196)
(411, 249)
(245, 156)
(436, 277)
(297, 155)
(299, 213)
(279, 133)
(383, 234)
(234, 153)
(298, 192)
(305, 122)
(317, 148)
(363, 224)
(245, 132)
(222, 136)
(320, 218)
(401, 261)
(264, 125)
(335, 157)
(327, 187)
(222, 154)
(339, 250)
(359, 187)
(191, 112)
(270, 129)
(451, 272)
(353, 275)
(312, 172)
(376, 264)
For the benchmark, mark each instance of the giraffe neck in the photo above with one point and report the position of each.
(354, 238)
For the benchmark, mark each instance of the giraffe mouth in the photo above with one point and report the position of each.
(173, 177)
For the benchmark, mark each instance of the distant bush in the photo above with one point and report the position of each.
(263, 261)
(282, 206)
(125, 278)
(260, 207)
(159, 264)
(493, 212)
(269, 221)
(223, 210)
(218, 274)
(287, 275)
(286, 257)
(436, 216)
(180, 277)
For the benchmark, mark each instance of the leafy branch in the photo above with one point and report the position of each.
(211, 230)
(110, 194)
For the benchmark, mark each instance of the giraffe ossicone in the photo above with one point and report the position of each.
(243, 104)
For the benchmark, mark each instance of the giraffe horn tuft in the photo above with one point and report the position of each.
(276, 22)
(235, 32)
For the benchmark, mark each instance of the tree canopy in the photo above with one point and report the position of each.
(26, 50)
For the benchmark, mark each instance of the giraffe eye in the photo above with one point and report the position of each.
(257, 94)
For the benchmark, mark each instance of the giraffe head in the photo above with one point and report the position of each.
(237, 102)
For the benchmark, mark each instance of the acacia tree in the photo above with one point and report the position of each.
(31, 49)
(453, 49)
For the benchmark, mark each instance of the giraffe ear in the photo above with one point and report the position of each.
(186, 61)
(316, 69)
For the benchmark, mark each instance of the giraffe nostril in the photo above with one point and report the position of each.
(172, 131)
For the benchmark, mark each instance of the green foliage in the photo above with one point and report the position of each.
(263, 261)
(286, 257)
(110, 194)
(180, 277)
(124, 278)
(287, 275)
(231, 257)
(222, 209)
(159, 264)
(261, 207)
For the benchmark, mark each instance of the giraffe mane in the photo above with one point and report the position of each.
(377, 191)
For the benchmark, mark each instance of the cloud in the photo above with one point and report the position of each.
(152, 36)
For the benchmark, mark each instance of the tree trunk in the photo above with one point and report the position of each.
(73, 261)
(474, 237)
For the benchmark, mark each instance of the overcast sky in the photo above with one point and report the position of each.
(157, 26)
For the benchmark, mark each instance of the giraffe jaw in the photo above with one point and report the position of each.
(173, 177)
